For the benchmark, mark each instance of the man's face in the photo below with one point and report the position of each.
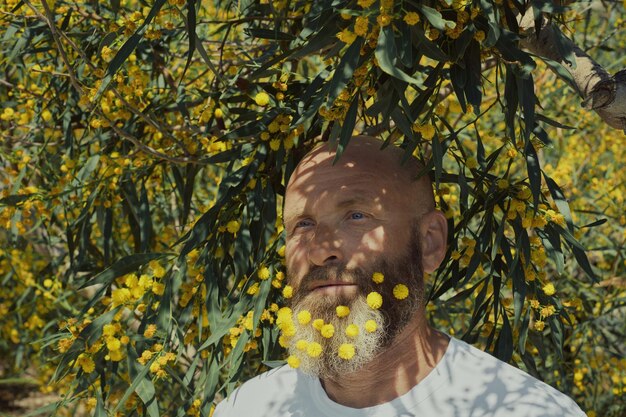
(344, 223)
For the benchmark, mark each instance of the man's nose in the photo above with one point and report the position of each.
(325, 246)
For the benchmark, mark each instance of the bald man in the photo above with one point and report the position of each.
(359, 236)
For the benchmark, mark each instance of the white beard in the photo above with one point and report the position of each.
(329, 364)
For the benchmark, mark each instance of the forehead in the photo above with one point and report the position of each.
(371, 177)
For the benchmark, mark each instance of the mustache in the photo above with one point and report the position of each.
(331, 273)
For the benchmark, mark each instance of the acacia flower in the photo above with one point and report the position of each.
(86, 363)
(293, 361)
(371, 326)
(233, 226)
(374, 300)
(263, 273)
(288, 291)
(150, 330)
(361, 25)
(540, 325)
(352, 330)
(302, 344)
(346, 351)
(327, 330)
(549, 289)
(314, 349)
(262, 99)
(318, 323)
(411, 18)
(304, 317)
(378, 277)
(400, 291)
(346, 36)
(342, 311)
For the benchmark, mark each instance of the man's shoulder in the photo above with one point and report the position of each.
(507, 387)
(263, 394)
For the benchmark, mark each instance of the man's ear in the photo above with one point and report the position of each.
(433, 233)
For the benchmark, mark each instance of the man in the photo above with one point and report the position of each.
(360, 234)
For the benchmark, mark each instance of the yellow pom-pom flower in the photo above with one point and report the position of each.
(342, 311)
(304, 317)
(352, 330)
(288, 291)
(371, 326)
(314, 349)
(400, 291)
(378, 278)
(549, 289)
(293, 361)
(302, 344)
(327, 330)
(317, 324)
(262, 99)
(346, 351)
(374, 300)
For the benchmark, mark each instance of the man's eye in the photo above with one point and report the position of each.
(304, 223)
(357, 215)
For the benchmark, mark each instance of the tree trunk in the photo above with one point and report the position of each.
(601, 92)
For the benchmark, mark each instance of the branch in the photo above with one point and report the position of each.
(601, 92)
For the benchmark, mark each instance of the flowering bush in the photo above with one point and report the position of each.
(145, 150)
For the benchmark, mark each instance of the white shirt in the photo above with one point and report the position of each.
(466, 382)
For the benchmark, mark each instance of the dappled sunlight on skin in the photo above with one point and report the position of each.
(357, 215)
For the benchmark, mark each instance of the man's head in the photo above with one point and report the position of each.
(366, 214)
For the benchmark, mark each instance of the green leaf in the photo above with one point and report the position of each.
(504, 344)
(386, 55)
(534, 172)
(347, 128)
(269, 34)
(435, 18)
(344, 71)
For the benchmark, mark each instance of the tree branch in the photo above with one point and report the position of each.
(601, 92)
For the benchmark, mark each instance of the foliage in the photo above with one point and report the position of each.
(145, 149)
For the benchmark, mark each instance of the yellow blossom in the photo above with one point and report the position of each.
(346, 36)
(327, 330)
(342, 311)
(378, 278)
(314, 349)
(264, 273)
(150, 330)
(361, 25)
(540, 325)
(233, 226)
(262, 99)
(304, 317)
(352, 330)
(383, 20)
(400, 291)
(374, 300)
(302, 344)
(549, 289)
(371, 326)
(317, 324)
(86, 363)
(288, 291)
(346, 351)
(293, 361)
(411, 18)
(365, 3)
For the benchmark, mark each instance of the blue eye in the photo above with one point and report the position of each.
(357, 215)
(304, 223)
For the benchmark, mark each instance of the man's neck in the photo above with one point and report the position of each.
(410, 357)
